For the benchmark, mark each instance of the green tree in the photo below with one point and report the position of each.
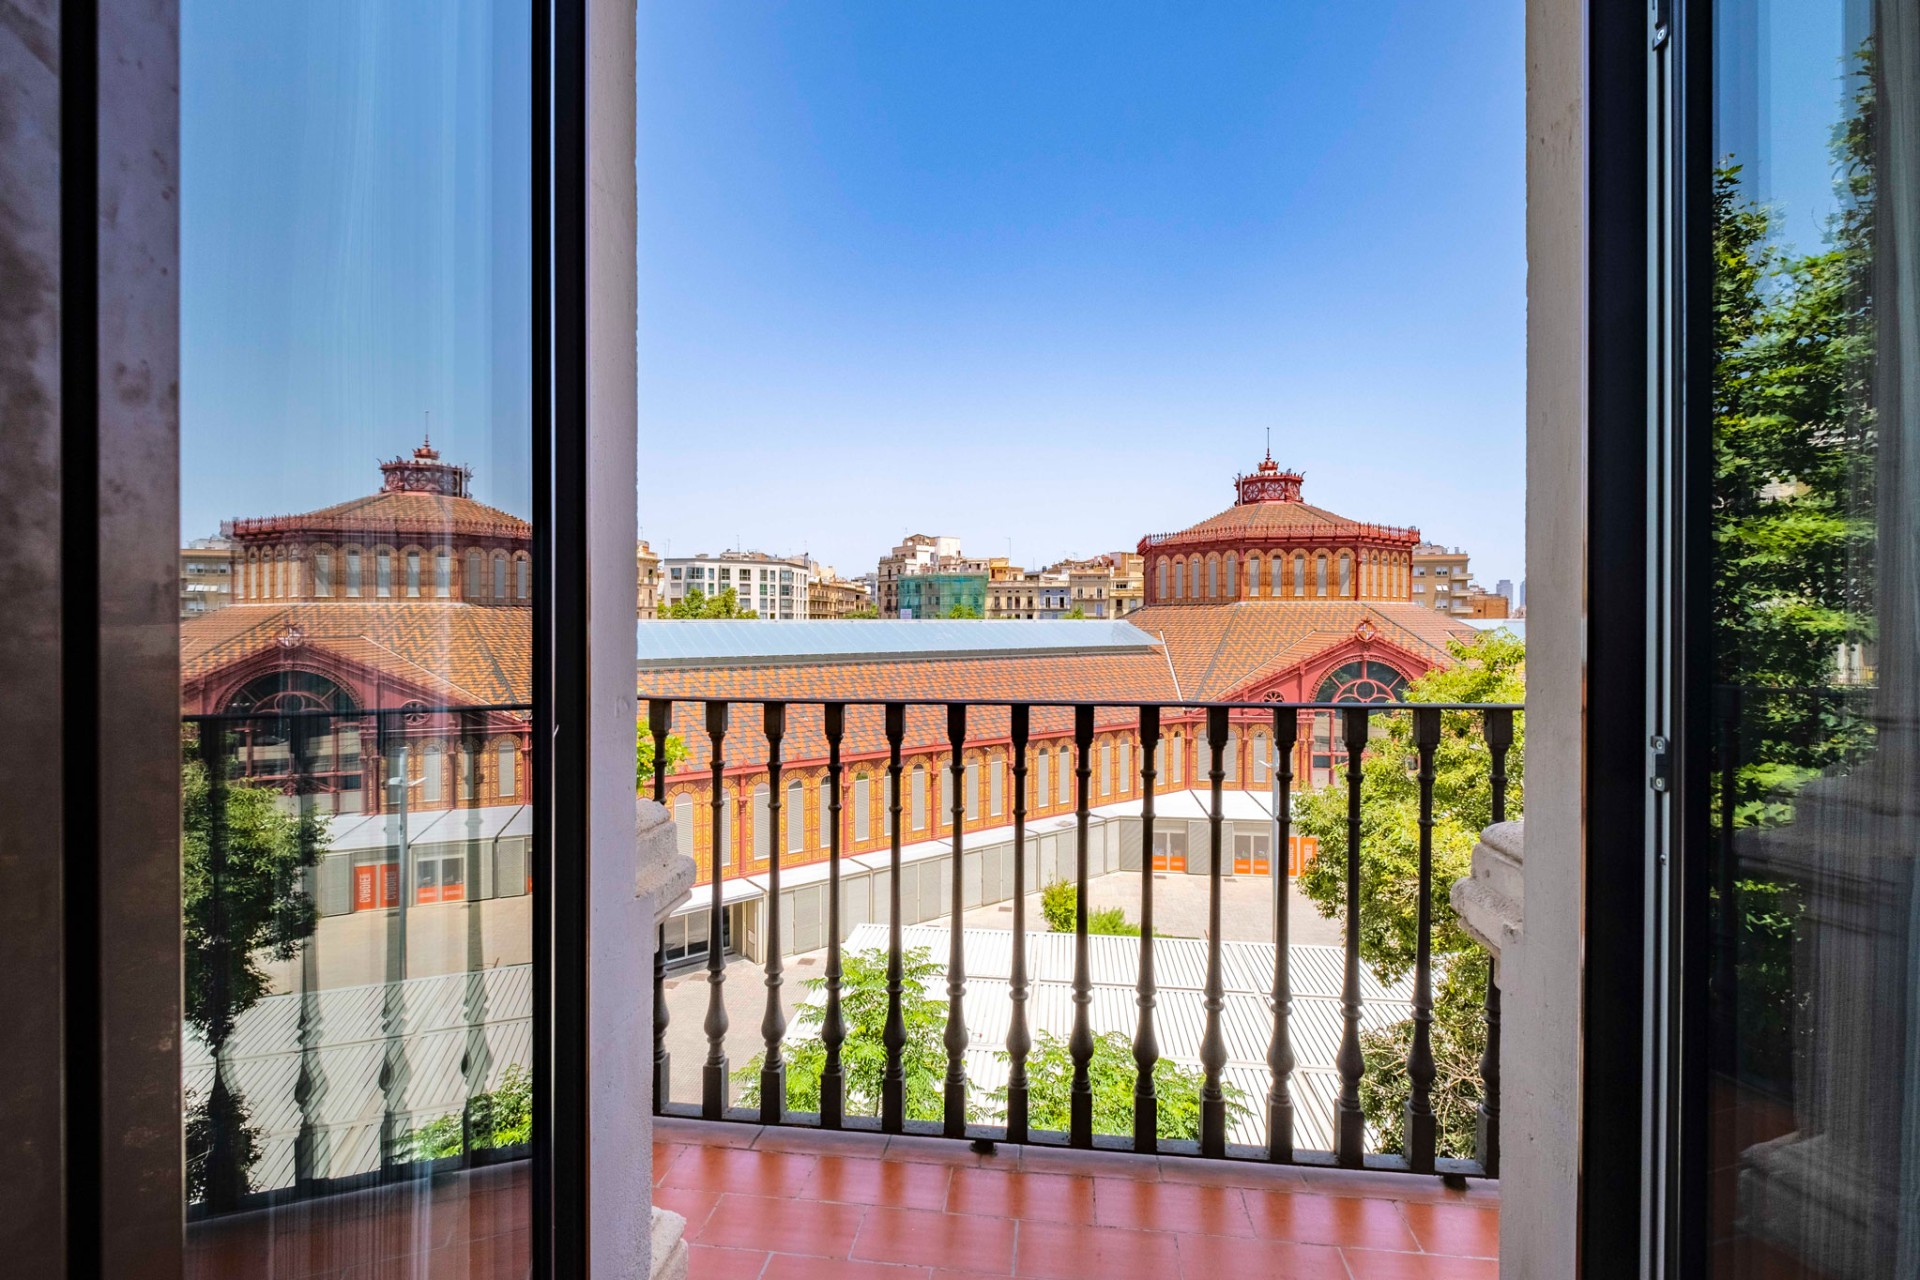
(643, 756)
(1060, 903)
(1111, 1074)
(1793, 527)
(699, 605)
(1491, 667)
(863, 1054)
(864, 612)
(961, 609)
(501, 1117)
(244, 904)
(1076, 613)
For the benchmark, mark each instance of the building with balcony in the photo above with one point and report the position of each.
(206, 576)
(774, 588)
(830, 597)
(646, 573)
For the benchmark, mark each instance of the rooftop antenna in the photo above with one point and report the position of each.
(1269, 444)
(426, 436)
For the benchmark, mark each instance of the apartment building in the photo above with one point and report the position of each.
(836, 597)
(206, 576)
(647, 581)
(1442, 579)
(773, 587)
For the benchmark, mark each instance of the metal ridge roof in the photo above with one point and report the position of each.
(742, 642)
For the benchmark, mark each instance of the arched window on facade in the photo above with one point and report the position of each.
(762, 824)
(499, 575)
(322, 575)
(1043, 779)
(796, 816)
(1230, 573)
(1232, 762)
(825, 790)
(413, 575)
(442, 574)
(862, 811)
(280, 574)
(1064, 779)
(1126, 765)
(353, 572)
(996, 785)
(1160, 579)
(1346, 574)
(471, 578)
(1253, 577)
(1213, 577)
(917, 797)
(1261, 760)
(1106, 768)
(1320, 570)
(1300, 574)
(383, 573)
(508, 763)
(971, 785)
(432, 767)
(1177, 759)
(523, 582)
(1179, 579)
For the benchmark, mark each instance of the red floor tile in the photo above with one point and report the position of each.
(899, 1184)
(694, 1206)
(1171, 1206)
(1337, 1220)
(786, 1266)
(760, 1173)
(1243, 1258)
(918, 1236)
(724, 1264)
(782, 1223)
(1060, 1251)
(1029, 1197)
(1468, 1232)
(1368, 1264)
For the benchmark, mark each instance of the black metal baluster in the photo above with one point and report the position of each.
(1213, 1046)
(893, 1080)
(1499, 728)
(1019, 1041)
(713, 1077)
(1146, 1046)
(773, 1025)
(1421, 1129)
(226, 1179)
(1350, 1137)
(300, 747)
(1286, 731)
(955, 1111)
(659, 724)
(1080, 1042)
(833, 1029)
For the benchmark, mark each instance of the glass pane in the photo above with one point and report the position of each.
(1813, 999)
(356, 438)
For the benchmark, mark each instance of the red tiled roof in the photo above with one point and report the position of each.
(428, 516)
(1222, 649)
(465, 653)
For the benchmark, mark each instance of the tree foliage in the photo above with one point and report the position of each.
(961, 609)
(1490, 667)
(501, 1117)
(244, 902)
(1111, 1074)
(643, 756)
(698, 604)
(1060, 903)
(863, 1055)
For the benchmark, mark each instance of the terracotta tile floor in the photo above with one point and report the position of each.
(783, 1204)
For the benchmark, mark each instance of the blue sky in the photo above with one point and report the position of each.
(1037, 275)
(1047, 273)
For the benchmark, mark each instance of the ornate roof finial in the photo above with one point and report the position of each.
(1269, 444)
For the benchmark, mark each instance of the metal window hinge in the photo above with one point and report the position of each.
(1662, 22)
(1660, 777)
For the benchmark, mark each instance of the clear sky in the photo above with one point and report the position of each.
(1048, 272)
(1038, 275)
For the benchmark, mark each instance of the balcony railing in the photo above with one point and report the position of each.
(713, 727)
(358, 1011)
